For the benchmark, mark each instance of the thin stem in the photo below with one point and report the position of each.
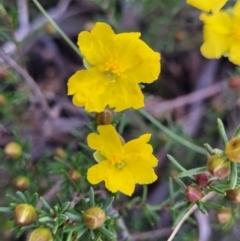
(171, 134)
(64, 36)
(188, 213)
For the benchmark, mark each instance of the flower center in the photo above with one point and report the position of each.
(112, 68)
(236, 33)
(117, 160)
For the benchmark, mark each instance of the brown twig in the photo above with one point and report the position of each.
(29, 80)
(188, 213)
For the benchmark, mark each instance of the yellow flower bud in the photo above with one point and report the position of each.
(40, 234)
(49, 29)
(21, 183)
(224, 215)
(234, 195)
(94, 218)
(232, 149)
(3, 100)
(193, 193)
(75, 175)
(105, 117)
(60, 153)
(25, 214)
(218, 166)
(13, 150)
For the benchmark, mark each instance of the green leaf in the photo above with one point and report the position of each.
(5, 209)
(62, 217)
(45, 219)
(75, 217)
(201, 207)
(64, 207)
(14, 199)
(81, 232)
(212, 205)
(233, 175)
(34, 199)
(182, 213)
(237, 133)
(222, 131)
(176, 163)
(45, 204)
(208, 148)
(22, 197)
(69, 236)
(107, 233)
(180, 183)
(108, 203)
(192, 172)
(74, 227)
(91, 234)
(171, 190)
(92, 198)
(217, 190)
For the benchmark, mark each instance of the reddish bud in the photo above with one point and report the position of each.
(203, 179)
(234, 195)
(3, 100)
(193, 193)
(105, 117)
(224, 215)
(234, 82)
(75, 175)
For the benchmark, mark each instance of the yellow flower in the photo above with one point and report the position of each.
(120, 165)
(116, 63)
(221, 34)
(207, 5)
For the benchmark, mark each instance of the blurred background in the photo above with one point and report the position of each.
(191, 93)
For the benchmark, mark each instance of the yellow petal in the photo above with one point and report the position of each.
(125, 94)
(89, 88)
(234, 53)
(110, 141)
(220, 23)
(215, 45)
(207, 5)
(138, 145)
(236, 9)
(141, 167)
(120, 180)
(97, 46)
(94, 141)
(216, 5)
(98, 172)
(140, 63)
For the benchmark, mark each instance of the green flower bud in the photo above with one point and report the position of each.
(193, 193)
(94, 218)
(232, 149)
(224, 215)
(218, 166)
(3, 100)
(21, 183)
(60, 153)
(234, 195)
(75, 175)
(105, 117)
(24, 214)
(13, 150)
(203, 179)
(40, 234)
